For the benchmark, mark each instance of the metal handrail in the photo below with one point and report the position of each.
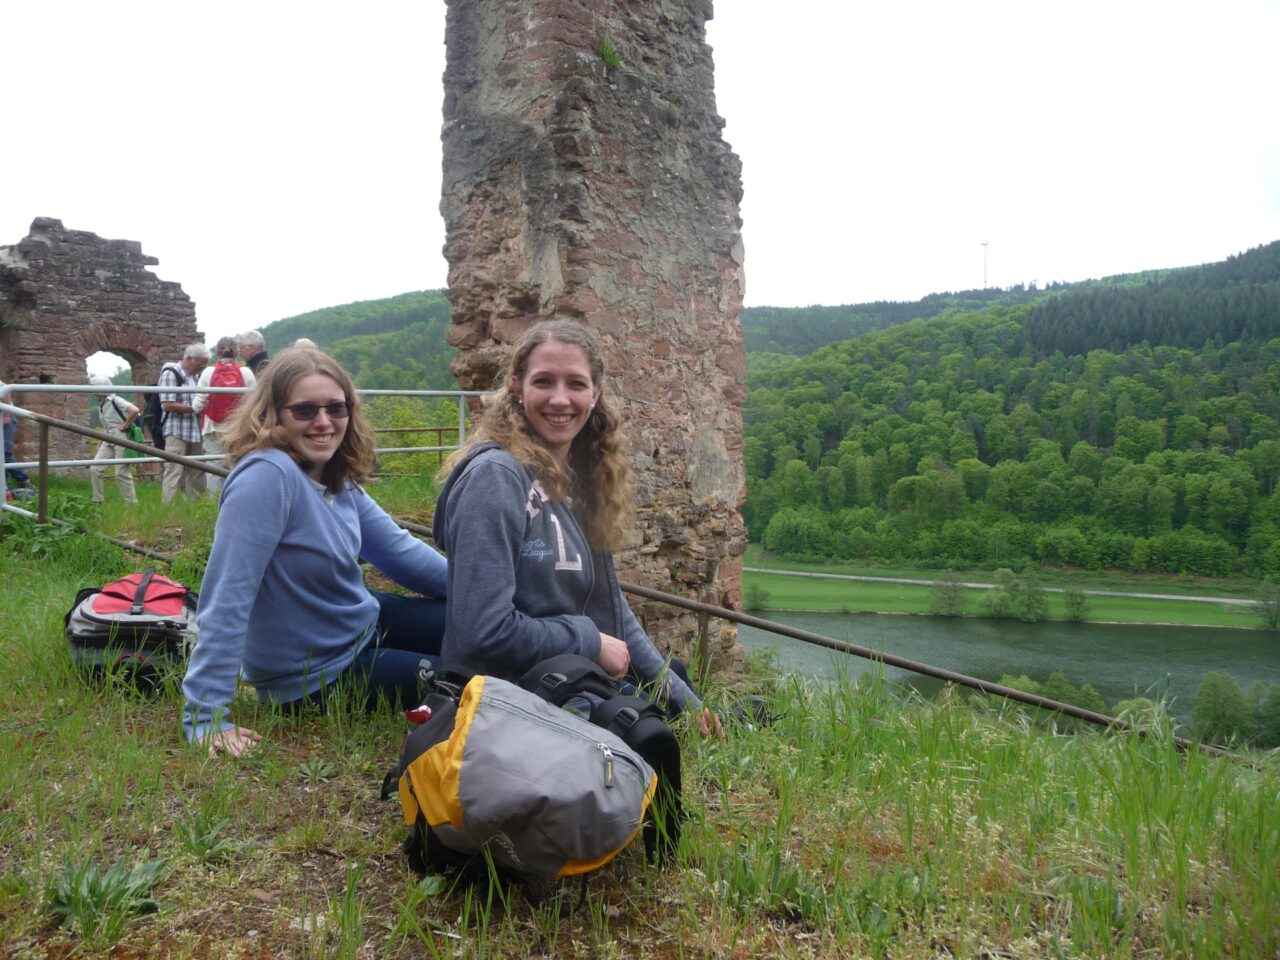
(156, 456)
(924, 669)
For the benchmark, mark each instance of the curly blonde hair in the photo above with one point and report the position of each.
(256, 423)
(597, 477)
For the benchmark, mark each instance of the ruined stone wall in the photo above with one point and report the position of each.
(585, 175)
(64, 296)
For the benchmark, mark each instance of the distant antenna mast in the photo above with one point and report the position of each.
(984, 263)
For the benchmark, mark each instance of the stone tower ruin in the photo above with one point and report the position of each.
(64, 296)
(585, 176)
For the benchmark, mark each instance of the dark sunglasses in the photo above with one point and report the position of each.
(337, 410)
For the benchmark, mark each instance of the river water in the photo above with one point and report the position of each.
(1120, 660)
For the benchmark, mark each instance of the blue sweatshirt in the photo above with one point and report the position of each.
(283, 596)
(524, 583)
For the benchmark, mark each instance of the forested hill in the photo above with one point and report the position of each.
(399, 341)
(959, 441)
(1194, 305)
(1218, 303)
(801, 330)
(396, 342)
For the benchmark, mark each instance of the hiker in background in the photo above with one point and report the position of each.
(17, 478)
(115, 414)
(253, 348)
(215, 409)
(304, 343)
(535, 501)
(283, 600)
(181, 426)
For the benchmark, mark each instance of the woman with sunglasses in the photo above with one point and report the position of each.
(283, 600)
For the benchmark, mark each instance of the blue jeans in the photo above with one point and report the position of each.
(396, 664)
(10, 428)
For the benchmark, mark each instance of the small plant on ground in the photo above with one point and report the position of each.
(202, 837)
(101, 905)
(316, 770)
(347, 916)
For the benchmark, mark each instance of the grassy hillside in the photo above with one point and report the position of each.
(864, 823)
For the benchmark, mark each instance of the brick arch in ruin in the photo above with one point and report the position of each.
(68, 294)
(604, 191)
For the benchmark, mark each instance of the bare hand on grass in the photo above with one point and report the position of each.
(237, 741)
(709, 725)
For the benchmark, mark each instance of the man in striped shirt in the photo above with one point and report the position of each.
(182, 424)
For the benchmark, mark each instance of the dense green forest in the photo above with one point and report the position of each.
(384, 344)
(1216, 304)
(961, 441)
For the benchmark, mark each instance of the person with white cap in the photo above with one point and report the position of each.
(115, 414)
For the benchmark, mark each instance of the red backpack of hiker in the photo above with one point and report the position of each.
(226, 373)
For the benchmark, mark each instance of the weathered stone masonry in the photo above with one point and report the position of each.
(65, 295)
(577, 185)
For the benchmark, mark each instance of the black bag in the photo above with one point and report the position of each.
(153, 413)
(638, 722)
(136, 627)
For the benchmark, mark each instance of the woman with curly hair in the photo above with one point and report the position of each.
(283, 600)
(534, 504)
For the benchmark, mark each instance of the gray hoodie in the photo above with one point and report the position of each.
(524, 583)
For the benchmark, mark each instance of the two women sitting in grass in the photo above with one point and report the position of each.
(536, 501)
(284, 602)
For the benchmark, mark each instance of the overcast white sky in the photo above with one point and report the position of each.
(283, 156)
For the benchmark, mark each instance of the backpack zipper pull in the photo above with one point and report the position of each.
(608, 763)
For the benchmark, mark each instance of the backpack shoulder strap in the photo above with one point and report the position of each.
(140, 595)
(641, 725)
(558, 678)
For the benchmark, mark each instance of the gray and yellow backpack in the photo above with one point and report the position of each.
(497, 771)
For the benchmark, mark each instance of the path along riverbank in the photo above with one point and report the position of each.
(1236, 601)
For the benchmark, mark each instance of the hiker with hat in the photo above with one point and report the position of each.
(116, 415)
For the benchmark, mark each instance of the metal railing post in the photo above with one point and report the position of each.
(43, 510)
(4, 463)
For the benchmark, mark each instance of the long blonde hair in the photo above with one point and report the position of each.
(597, 477)
(256, 423)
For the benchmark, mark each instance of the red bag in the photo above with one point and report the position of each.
(143, 620)
(218, 407)
(138, 594)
